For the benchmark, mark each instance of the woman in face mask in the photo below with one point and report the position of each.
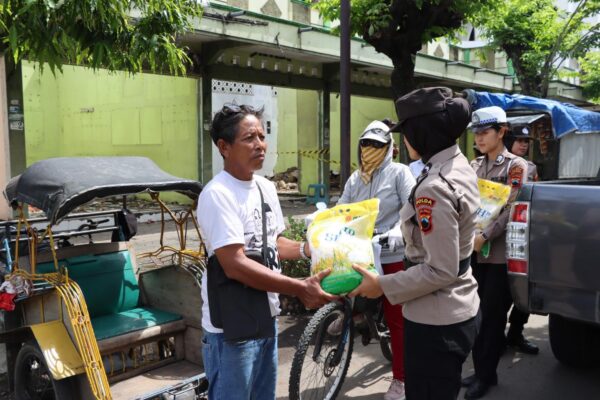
(437, 288)
(379, 177)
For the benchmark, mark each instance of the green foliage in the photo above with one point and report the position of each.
(399, 28)
(429, 18)
(130, 35)
(590, 65)
(537, 36)
(295, 268)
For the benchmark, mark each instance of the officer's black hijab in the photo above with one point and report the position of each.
(432, 119)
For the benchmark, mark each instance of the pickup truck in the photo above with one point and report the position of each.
(553, 234)
(553, 240)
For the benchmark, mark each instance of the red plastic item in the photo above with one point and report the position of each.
(6, 301)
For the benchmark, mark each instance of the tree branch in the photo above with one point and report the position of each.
(546, 68)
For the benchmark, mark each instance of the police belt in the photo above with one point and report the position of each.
(463, 265)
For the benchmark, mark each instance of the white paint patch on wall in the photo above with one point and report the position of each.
(255, 96)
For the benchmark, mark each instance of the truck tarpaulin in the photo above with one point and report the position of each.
(566, 118)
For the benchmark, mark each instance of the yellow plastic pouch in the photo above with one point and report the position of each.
(494, 197)
(339, 237)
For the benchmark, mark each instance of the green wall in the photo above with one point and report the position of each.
(364, 111)
(85, 113)
(308, 136)
(287, 130)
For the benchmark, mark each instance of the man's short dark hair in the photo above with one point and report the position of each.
(225, 123)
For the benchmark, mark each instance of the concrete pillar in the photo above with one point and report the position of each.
(204, 120)
(5, 211)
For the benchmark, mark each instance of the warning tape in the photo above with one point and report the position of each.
(314, 155)
(305, 152)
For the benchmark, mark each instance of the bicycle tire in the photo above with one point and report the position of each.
(385, 338)
(296, 392)
(386, 348)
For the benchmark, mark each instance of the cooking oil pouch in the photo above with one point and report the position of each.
(339, 237)
(494, 197)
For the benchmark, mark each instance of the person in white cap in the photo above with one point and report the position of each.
(379, 177)
(499, 165)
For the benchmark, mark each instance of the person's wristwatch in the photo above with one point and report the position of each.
(302, 253)
(484, 236)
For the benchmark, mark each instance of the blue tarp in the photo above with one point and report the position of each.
(566, 118)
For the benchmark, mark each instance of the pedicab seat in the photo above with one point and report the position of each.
(111, 292)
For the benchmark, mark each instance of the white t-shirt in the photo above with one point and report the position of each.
(229, 212)
(416, 167)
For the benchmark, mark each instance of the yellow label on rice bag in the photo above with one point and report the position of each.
(339, 237)
(494, 197)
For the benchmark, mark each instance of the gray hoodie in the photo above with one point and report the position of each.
(391, 183)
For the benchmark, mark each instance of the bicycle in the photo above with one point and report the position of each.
(321, 361)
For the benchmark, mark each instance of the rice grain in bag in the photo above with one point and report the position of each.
(339, 237)
(494, 197)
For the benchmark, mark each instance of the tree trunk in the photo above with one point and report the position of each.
(403, 74)
(530, 83)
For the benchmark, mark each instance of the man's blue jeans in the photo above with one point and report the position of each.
(244, 370)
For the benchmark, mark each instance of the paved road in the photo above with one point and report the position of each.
(521, 376)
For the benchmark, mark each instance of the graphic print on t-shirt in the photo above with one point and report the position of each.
(254, 236)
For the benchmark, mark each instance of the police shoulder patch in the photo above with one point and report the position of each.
(515, 177)
(424, 207)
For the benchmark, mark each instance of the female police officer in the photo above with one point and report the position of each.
(437, 289)
(499, 165)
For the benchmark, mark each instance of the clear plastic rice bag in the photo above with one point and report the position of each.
(494, 196)
(340, 237)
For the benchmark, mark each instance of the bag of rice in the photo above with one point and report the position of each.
(494, 197)
(339, 237)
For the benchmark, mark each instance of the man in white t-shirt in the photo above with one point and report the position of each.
(230, 220)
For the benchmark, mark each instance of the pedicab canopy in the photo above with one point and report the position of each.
(59, 185)
(566, 118)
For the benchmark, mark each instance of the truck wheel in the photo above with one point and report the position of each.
(574, 343)
(33, 380)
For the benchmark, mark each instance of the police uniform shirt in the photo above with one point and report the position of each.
(510, 170)
(532, 174)
(438, 227)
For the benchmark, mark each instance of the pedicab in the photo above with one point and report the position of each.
(93, 320)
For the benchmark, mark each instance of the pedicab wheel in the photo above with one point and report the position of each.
(315, 374)
(33, 380)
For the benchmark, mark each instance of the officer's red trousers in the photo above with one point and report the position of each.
(395, 321)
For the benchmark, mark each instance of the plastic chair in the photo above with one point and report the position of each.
(317, 192)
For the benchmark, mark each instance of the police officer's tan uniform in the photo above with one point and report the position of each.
(438, 291)
(438, 229)
(491, 273)
(507, 169)
(532, 174)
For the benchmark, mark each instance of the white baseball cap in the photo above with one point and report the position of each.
(378, 131)
(486, 117)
